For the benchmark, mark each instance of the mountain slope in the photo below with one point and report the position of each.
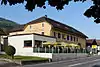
(7, 24)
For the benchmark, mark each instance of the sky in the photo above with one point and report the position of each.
(71, 15)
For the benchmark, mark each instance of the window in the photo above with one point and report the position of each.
(42, 33)
(71, 38)
(42, 24)
(28, 43)
(54, 34)
(37, 43)
(74, 38)
(59, 35)
(67, 37)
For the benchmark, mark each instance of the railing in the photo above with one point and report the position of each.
(57, 50)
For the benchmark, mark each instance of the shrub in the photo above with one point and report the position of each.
(10, 51)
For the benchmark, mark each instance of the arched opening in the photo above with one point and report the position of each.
(80, 45)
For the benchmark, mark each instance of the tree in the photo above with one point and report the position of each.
(3, 32)
(93, 11)
(10, 51)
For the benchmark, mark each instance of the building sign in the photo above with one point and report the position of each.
(94, 46)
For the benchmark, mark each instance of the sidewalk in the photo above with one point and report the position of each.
(7, 63)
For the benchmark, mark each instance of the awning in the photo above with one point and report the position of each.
(50, 43)
(74, 45)
(46, 43)
(65, 44)
(61, 44)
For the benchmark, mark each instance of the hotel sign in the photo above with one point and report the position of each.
(94, 46)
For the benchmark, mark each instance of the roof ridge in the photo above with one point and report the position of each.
(36, 19)
(59, 22)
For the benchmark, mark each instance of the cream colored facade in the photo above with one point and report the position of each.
(80, 40)
(48, 30)
(35, 28)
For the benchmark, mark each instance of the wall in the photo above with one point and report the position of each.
(44, 55)
(66, 56)
(65, 33)
(43, 38)
(37, 28)
(17, 32)
(81, 40)
(18, 43)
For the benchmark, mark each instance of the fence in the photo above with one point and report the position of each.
(58, 50)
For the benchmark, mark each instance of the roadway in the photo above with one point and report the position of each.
(8, 64)
(80, 62)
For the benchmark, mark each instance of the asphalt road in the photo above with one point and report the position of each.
(81, 62)
(8, 64)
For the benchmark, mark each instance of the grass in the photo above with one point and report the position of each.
(28, 58)
(4, 56)
(23, 58)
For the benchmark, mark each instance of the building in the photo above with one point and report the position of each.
(94, 44)
(25, 43)
(48, 29)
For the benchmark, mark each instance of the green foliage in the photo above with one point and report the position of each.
(25, 58)
(32, 4)
(10, 51)
(7, 24)
(4, 56)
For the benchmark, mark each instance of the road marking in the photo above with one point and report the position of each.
(83, 63)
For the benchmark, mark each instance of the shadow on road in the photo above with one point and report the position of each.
(96, 66)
